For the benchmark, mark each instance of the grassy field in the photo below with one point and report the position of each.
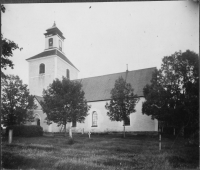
(110, 152)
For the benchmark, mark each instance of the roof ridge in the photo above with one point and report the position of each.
(115, 73)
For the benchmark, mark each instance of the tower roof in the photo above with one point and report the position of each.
(52, 52)
(54, 30)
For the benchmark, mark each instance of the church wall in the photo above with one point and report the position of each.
(62, 66)
(37, 82)
(138, 121)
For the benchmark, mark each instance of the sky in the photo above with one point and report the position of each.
(103, 37)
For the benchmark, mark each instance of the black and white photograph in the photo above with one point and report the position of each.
(100, 85)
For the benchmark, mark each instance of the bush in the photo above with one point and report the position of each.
(25, 130)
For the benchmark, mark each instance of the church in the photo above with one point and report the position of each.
(52, 63)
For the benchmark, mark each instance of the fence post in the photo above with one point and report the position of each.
(89, 133)
(83, 131)
(10, 136)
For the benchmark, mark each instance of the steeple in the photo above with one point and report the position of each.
(54, 38)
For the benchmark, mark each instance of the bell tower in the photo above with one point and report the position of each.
(54, 38)
(50, 64)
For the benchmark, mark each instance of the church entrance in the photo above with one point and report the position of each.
(38, 122)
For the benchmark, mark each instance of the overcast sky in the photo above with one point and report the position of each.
(101, 38)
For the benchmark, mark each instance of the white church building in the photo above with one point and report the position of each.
(52, 63)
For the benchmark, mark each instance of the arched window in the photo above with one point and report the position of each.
(94, 119)
(42, 68)
(68, 74)
(50, 42)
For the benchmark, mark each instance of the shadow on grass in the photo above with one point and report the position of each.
(15, 161)
(39, 147)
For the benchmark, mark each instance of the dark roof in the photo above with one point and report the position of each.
(39, 99)
(99, 88)
(51, 52)
(54, 30)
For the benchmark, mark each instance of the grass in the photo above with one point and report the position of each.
(110, 152)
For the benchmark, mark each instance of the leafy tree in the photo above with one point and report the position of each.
(64, 102)
(17, 103)
(8, 47)
(122, 102)
(173, 94)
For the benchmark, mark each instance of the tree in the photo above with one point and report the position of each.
(17, 104)
(122, 102)
(173, 94)
(64, 102)
(8, 47)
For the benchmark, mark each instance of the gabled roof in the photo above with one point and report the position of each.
(39, 99)
(49, 53)
(99, 88)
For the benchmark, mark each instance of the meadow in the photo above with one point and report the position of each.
(101, 151)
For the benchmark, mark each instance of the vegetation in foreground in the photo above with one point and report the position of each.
(99, 152)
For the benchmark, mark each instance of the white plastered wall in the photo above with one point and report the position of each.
(138, 121)
(38, 82)
(62, 66)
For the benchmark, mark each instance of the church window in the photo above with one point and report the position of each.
(68, 74)
(74, 123)
(42, 68)
(94, 119)
(60, 45)
(50, 42)
(127, 121)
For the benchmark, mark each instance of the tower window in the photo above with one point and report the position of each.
(94, 119)
(60, 45)
(42, 68)
(50, 42)
(68, 74)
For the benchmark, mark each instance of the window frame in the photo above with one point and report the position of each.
(74, 123)
(68, 74)
(50, 46)
(60, 45)
(42, 68)
(94, 119)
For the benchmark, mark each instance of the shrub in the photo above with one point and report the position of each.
(25, 130)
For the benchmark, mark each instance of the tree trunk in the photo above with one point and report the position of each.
(182, 131)
(124, 130)
(70, 132)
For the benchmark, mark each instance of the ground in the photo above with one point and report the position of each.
(108, 151)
